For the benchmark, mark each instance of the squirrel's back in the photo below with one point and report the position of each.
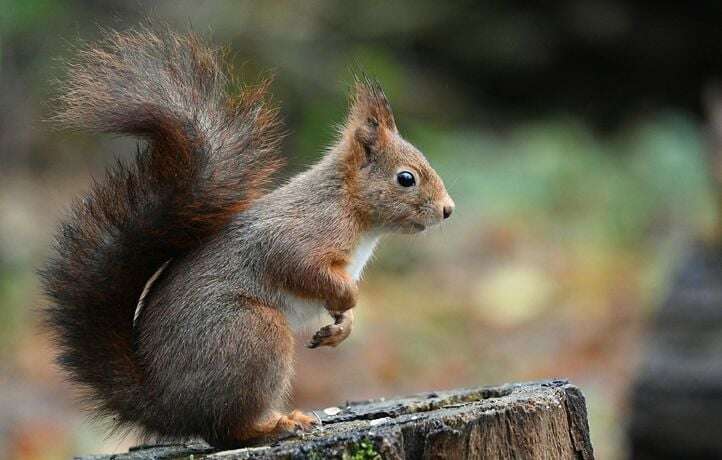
(208, 156)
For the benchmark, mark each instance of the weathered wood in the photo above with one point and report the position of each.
(538, 420)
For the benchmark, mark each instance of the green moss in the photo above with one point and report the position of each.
(364, 450)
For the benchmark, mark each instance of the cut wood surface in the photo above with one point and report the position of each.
(536, 420)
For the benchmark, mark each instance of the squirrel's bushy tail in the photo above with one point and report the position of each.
(208, 156)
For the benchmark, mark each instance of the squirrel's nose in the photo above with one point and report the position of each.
(447, 206)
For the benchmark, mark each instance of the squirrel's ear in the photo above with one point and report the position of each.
(370, 120)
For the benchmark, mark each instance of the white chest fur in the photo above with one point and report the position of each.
(361, 255)
(302, 313)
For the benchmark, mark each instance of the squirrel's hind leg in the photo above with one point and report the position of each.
(264, 364)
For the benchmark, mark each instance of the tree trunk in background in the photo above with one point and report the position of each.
(539, 420)
(676, 410)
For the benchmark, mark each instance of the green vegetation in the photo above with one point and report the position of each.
(363, 450)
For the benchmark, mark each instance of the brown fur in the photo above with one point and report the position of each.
(211, 352)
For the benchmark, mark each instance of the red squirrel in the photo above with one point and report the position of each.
(178, 280)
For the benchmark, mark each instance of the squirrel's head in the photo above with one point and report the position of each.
(390, 181)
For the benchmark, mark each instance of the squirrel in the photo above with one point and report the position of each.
(177, 282)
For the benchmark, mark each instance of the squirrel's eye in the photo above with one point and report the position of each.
(405, 179)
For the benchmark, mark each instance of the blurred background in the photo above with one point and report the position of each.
(578, 140)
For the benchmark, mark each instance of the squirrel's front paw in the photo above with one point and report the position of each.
(333, 334)
(328, 336)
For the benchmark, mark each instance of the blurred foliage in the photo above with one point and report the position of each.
(578, 174)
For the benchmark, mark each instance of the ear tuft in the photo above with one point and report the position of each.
(369, 106)
(370, 123)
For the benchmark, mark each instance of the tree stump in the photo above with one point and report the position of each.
(537, 420)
